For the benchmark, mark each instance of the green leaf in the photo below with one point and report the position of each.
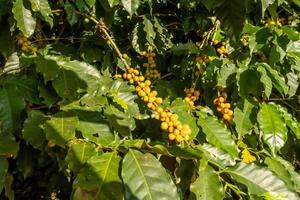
(260, 180)
(131, 6)
(90, 3)
(225, 73)
(25, 21)
(113, 3)
(70, 78)
(26, 87)
(278, 169)
(185, 48)
(216, 155)
(100, 178)
(211, 4)
(3, 171)
(8, 145)
(265, 80)
(217, 134)
(242, 117)
(207, 186)
(293, 83)
(12, 64)
(163, 38)
(273, 127)
(295, 177)
(7, 46)
(249, 83)
(11, 105)
(43, 7)
(265, 4)
(121, 121)
(232, 16)
(145, 178)
(61, 128)
(92, 125)
(290, 121)
(277, 79)
(123, 95)
(148, 28)
(32, 130)
(79, 151)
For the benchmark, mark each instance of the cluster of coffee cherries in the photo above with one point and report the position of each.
(221, 48)
(245, 40)
(151, 71)
(192, 95)
(202, 60)
(224, 107)
(169, 121)
(25, 44)
(278, 22)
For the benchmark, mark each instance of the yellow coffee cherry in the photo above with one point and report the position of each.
(179, 138)
(158, 100)
(164, 125)
(172, 137)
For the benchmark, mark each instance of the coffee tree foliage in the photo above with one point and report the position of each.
(73, 128)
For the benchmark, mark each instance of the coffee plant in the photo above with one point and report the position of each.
(150, 100)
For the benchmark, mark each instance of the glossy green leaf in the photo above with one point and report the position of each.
(43, 7)
(183, 48)
(260, 180)
(145, 178)
(207, 186)
(32, 130)
(294, 176)
(93, 127)
(121, 121)
(8, 145)
(148, 28)
(11, 105)
(265, 80)
(216, 156)
(264, 5)
(217, 134)
(232, 16)
(273, 128)
(79, 151)
(7, 46)
(279, 170)
(82, 71)
(242, 117)
(293, 83)
(290, 121)
(12, 64)
(131, 6)
(25, 21)
(210, 4)
(277, 79)
(26, 87)
(61, 128)
(100, 178)
(123, 95)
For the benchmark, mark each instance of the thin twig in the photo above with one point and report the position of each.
(103, 29)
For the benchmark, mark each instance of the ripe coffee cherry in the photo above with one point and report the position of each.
(223, 107)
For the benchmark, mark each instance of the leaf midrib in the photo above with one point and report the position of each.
(105, 174)
(141, 171)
